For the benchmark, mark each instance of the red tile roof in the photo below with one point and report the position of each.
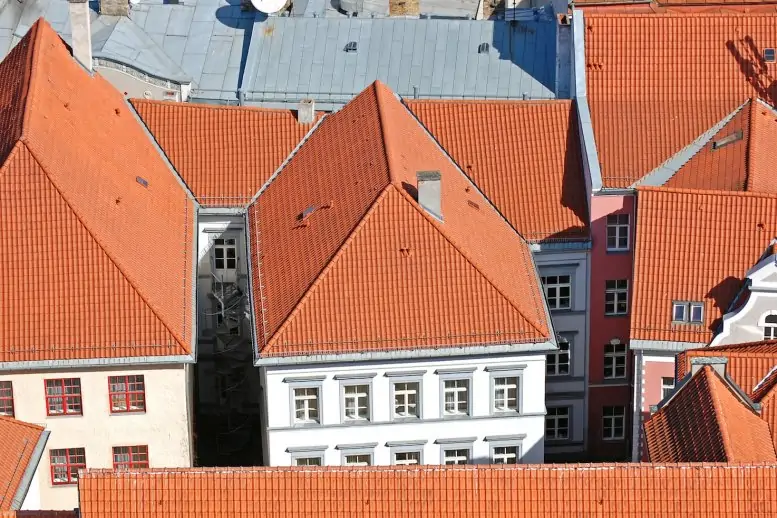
(224, 154)
(706, 421)
(524, 156)
(661, 105)
(97, 264)
(748, 364)
(39, 514)
(529, 491)
(369, 269)
(694, 246)
(17, 448)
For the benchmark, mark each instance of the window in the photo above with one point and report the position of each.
(407, 458)
(615, 360)
(697, 312)
(557, 362)
(667, 386)
(356, 402)
(617, 232)
(360, 459)
(225, 253)
(406, 400)
(505, 455)
(770, 333)
(679, 312)
(6, 398)
(456, 394)
(127, 393)
(558, 291)
(613, 421)
(63, 397)
(456, 456)
(769, 55)
(306, 405)
(307, 461)
(557, 423)
(130, 457)
(506, 394)
(65, 465)
(691, 312)
(616, 297)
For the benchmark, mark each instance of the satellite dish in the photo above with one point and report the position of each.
(268, 6)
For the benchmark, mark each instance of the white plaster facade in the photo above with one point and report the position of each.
(383, 435)
(165, 426)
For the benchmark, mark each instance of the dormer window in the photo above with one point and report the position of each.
(687, 312)
(770, 327)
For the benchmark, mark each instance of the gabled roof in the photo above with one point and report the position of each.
(694, 246)
(524, 156)
(707, 421)
(694, 69)
(21, 448)
(529, 491)
(344, 259)
(224, 154)
(748, 364)
(96, 232)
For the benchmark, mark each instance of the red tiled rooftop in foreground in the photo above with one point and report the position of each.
(694, 246)
(524, 156)
(528, 491)
(18, 441)
(748, 364)
(96, 232)
(224, 154)
(350, 262)
(706, 421)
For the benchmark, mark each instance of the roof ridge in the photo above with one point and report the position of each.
(705, 192)
(438, 226)
(380, 100)
(30, 73)
(14, 421)
(208, 107)
(178, 339)
(711, 380)
(732, 347)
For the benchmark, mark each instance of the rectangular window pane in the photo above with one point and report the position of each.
(506, 455)
(456, 393)
(6, 398)
(127, 393)
(678, 312)
(407, 458)
(307, 461)
(506, 394)
(358, 460)
(63, 396)
(356, 402)
(406, 400)
(456, 456)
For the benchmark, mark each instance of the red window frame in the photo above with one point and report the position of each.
(6, 398)
(69, 396)
(134, 457)
(69, 461)
(126, 392)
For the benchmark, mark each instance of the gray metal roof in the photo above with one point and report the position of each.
(293, 58)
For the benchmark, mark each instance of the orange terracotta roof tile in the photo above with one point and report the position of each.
(344, 259)
(706, 421)
(529, 491)
(693, 69)
(765, 386)
(39, 514)
(748, 364)
(524, 156)
(694, 246)
(223, 153)
(18, 442)
(96, 233)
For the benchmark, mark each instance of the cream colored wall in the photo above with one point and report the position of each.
(164, 427)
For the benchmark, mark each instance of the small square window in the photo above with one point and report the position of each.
(613, 422)
(356, 402)
(130, 457)
(667, 386)
(679, 312)
(407, 458)
(127, 393)
(307, 461)
(65, 464)
(306, 405)
(456, 397)
(406, 400)
(505, 455)
(557, 423)
(506, 394)
(362, 459)
(769, 55)
(63, 396)
(558, 291)
(456, 456)
(697, 313)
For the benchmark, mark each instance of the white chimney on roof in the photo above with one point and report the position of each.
(717, 363)
(81, 29)
(306, 111)
(430, 192)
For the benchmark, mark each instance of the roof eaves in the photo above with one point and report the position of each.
(30, 365)
(29, 472)
(663, 345)
(666, 171)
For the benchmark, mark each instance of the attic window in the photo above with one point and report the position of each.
(769, 55)
(350, 46)
(687, 312)
(483, 48)
(142, 181)
(729, 139)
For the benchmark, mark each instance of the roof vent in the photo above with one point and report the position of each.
(483, 48)
(729, 139)
(142, 181)
(430, 192)
(305, 214)
(306, 111)
(350, 46)
(769, 55)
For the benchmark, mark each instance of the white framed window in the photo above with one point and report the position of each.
(613, 422)
(505, 393)
(505, 454)
(406, 399)
(306, 402)
(614, 360)
(688, 312)
(456, 397)
(308, 461)
(558, 291)
(557, 423)
(770, 327)
(558, 363)
(357, 454)
(225, 253)
(456, 455)
(616, 297)
(667, 386)
(356, 402)
(407, 453)
(617, 232)
(407, 458)
(358, 459)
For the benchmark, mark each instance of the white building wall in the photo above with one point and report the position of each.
(164, 427)
(32, 501)
(283, 437)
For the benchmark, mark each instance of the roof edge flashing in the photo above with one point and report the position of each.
(29, 473)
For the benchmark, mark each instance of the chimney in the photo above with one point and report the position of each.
(81, 29)
(114, 7)
(429, 192)
(306, 111)
(717, 363)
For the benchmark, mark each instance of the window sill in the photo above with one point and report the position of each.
(505, 413)
(455, 416)
(127, 412)
(613, 439)
(618, 251)
(561, 310)
(64, 415)
(558, 441)
(615, 381)
(305, 425)
(405, 419)
(567, 375)
(64, 484)
(356, 421)
(615, 315)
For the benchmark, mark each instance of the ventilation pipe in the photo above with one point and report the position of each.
(430, 192)
(306, 111)
(718, 364)
(81, 29)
